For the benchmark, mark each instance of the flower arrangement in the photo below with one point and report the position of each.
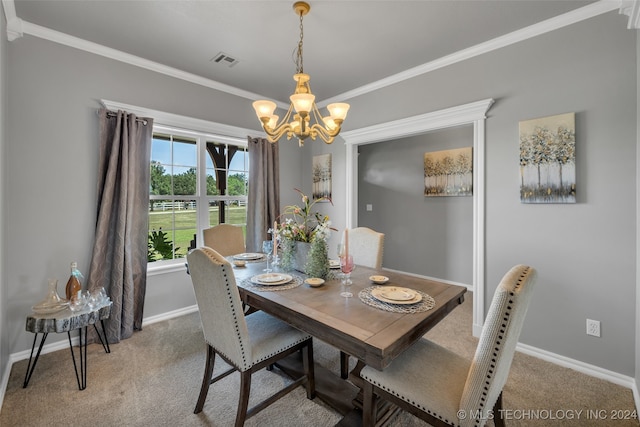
(305, 225)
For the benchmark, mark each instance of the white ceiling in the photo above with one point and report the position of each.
(347, 44)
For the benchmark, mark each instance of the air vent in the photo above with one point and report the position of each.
(223, 58)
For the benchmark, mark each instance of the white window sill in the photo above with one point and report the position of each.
(162, 267)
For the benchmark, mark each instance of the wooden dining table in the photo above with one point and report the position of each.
(370, 334)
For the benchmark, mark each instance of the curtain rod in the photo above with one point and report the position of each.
(114, 114)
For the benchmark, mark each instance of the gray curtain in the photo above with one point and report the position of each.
(263, 206)
(119, 260)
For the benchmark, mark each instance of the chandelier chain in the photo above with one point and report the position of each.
(299, 64)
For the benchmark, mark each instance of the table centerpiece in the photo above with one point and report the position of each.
(302, 235)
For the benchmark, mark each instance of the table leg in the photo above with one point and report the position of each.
(105, 343)
(385, 411)
(82, 378)
(30, 368)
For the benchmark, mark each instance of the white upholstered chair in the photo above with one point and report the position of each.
(437, 385)
(226, 239)
(366, 246)
(248, 343)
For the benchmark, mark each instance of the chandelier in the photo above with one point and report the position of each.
(307, 120)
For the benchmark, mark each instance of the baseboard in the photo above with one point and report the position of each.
(585, 368)
(448, 282)
(169, 315)
(64, 344)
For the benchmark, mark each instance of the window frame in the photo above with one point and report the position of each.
(201, 197)
(218, 132)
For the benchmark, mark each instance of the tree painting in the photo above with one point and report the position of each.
(321, 176)
(548, 159)
(448, 172)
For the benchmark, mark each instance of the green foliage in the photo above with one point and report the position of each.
(160, 246)
(212, 186)
(184, 184)
(236, 184)
(160, 180)
(318, 260)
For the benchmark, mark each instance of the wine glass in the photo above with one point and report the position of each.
(267, 248)
(346, 266)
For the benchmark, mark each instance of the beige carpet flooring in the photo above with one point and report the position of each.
(153, 379)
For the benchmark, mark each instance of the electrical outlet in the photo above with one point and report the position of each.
(593, 327)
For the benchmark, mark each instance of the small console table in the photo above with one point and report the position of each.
(67, 321)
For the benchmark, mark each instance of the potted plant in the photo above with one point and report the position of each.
(303, 235)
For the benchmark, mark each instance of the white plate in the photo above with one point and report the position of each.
(271, 279)
(386, 295)
(334, 263)
(248, 256)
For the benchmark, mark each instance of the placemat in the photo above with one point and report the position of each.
(294, 283)
(427, 302)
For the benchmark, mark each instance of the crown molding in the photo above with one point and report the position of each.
(551, 24)
(415, 125)
(14, 24)
(631, 8)
(17, 28)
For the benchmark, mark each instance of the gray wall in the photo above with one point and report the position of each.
(585, 253)
(52, 151)
(637, 207)
(431, 236)
(4, 348)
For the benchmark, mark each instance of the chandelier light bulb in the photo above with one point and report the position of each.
(338, 110)
(302, 102)
(329, 122)
(264, 108)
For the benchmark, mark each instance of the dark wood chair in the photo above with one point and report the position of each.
(247, 343)
(446, 389)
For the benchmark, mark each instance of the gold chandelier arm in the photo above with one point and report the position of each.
(274, 133)
(326, 135)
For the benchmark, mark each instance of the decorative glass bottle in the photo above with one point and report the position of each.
(73, 285)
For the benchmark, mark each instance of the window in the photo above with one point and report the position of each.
(198, 180)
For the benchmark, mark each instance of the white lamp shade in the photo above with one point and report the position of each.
(338, 110)
(302, 102)
(329, 123)
(273, 121)
(264, 108)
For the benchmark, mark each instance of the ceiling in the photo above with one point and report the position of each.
(347, 44)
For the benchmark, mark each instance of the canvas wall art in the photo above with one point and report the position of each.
(321, 176)
(548, 159)
(448, 172)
